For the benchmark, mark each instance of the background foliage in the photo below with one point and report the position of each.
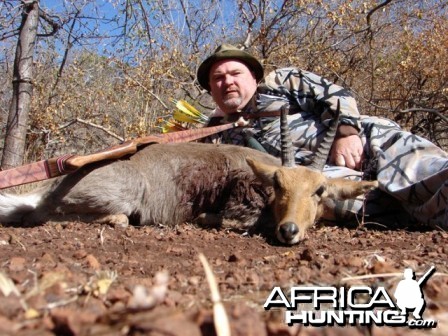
(110, 69)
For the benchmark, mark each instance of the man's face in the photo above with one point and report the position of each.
(232, 85)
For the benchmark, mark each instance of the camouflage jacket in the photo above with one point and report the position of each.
(306, 93)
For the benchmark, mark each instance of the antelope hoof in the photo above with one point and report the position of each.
(288, 233)
(118, 220)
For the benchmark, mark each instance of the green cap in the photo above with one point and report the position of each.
(228, 51)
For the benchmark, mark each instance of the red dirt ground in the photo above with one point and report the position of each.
(61, 275)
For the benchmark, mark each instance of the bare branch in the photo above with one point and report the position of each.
(145, 21)
(90, 124)
(64, 58)
(372, 11)
(419, 109)
(145, 88)
(54, 25)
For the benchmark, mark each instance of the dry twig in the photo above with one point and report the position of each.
(221, 321)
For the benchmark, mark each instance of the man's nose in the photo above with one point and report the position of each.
(228, 80)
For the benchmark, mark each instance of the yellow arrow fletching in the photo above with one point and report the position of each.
(183, 117)
(185, 108)
(172, 126)
(190, 110)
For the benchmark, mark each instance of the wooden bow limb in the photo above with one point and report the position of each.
(66, 164)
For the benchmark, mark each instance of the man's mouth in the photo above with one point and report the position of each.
(231, 93)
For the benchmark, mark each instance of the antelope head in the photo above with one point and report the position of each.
(300, 192)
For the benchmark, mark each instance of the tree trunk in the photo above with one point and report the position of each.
(14, 150)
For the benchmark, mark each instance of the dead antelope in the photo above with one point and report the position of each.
(300, 193)
(170, 184)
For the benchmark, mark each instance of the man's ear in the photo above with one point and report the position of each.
(265, 173)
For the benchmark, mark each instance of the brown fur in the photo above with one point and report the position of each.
(301, 194)
(170, 184)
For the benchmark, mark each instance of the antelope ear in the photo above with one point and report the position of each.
(343, 189)
(265, 173)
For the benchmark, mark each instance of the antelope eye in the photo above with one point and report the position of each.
(320, 191)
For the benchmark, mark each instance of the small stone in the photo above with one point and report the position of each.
(80, 254)
(17, 264)
(92, 262)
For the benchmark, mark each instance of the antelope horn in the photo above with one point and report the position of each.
(322, 152)
(285, 138)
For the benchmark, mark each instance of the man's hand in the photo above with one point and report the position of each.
(347, 152)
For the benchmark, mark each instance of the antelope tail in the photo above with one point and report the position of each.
(14, 207)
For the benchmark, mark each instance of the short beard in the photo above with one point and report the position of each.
(233, 103)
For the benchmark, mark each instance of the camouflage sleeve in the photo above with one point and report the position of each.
(312, 93)
(232, 136)
(215, 138)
